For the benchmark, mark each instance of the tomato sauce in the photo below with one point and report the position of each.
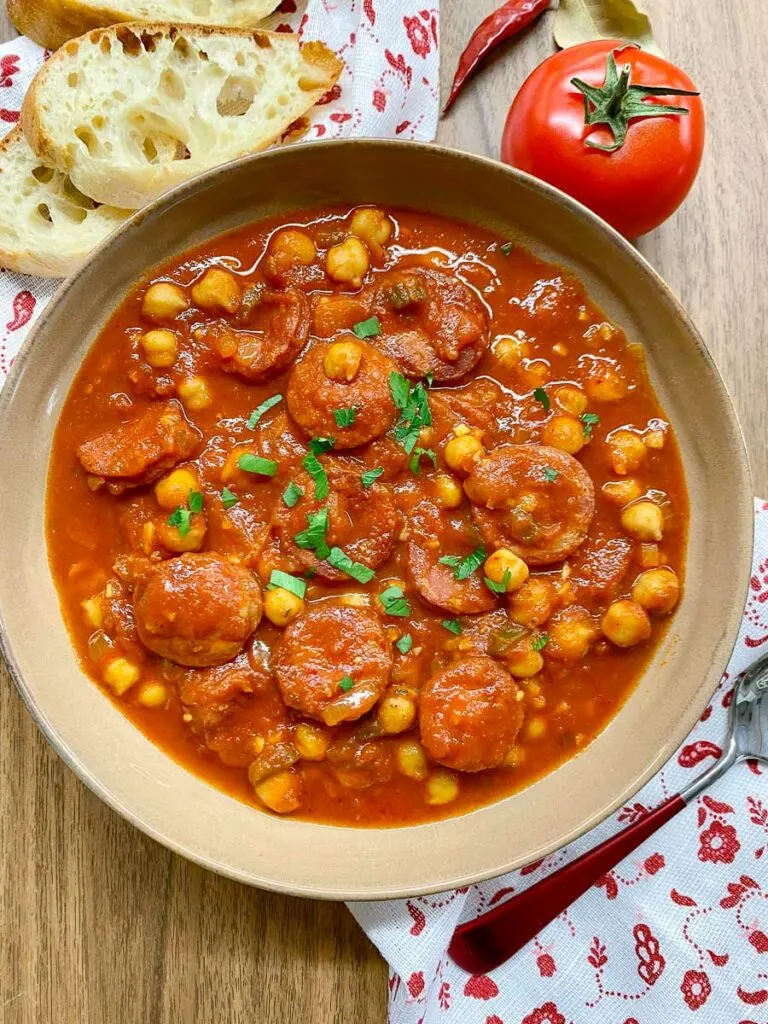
(505, 384)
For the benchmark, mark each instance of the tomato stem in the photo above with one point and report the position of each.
(617, 102)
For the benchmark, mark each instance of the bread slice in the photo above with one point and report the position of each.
(47, 227)
(52, 22)
(131, 110)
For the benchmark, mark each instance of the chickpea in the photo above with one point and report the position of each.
(93, 611)
(657, 590)
(570, 633)
(626, 624)
(342, 360)
(289, 248)
(535, 372)
(535, 728)
(461, 452)
(120, 675)
(411, 760)
(523, 661)
(396, 713)
(163, 301)
(565, 433)
(532, 605)
(626, 451)
(655, 439)
(281, 793)
(311, 741)
(572, 399)
(504, 561)
(449, 492)
(605, 383)
(281, 606)
(172, 539)
(644, 520)
(511, 351)
(622, 492)
(175, 488)
(348, 262)
(194, 393)
(153, 695)
(159, 348)
(217, 291)
(441, 788)
(373, 226)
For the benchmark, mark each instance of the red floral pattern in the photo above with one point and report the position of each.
(696, 989)
(719, 843)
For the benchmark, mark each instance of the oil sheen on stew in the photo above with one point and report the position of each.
(367, 517)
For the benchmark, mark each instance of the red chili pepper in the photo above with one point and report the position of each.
(508, 21)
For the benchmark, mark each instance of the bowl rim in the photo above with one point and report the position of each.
(677, 730)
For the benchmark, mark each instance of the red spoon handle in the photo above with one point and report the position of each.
(480, 945)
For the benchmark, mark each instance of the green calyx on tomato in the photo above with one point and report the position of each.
(616, 102)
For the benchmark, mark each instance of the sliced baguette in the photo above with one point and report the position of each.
(52, 22)
(47, 227)
(129, 111)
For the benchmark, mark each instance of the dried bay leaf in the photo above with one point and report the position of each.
(579, 21)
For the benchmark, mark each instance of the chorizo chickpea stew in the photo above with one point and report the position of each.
(366, 516)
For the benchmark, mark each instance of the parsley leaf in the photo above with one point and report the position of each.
(340, 560)
(394, 602)
(464, 567)
(313, 538)
(541, 396)
(321, 445)
(291, 494)
(400, 389)
(228, 498)
(196, 500)
(287, 582)
(180, 518)
(452, 625)
(405, 643)
(506, 248)
(540, 642)
(430, 379)
(550, 474)
(313, 466)
(346, 683)
(259, 411)
(370, 476)
(418, 453)
(256, 464)
(345, 417)
(369, 328)
(414, 415)
(499, 588)
(590, 420)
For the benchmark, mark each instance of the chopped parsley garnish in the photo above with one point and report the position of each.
(506, 248)
(259, 411)
(405, 643)
(400, 389)
(287, 582)
(550, 474)
(340, 560)
(499, 588)
(321, 445)
(345, 417)
(180, 518)
(346, 683)
(590, 420)
(369, 328)
(370, 476)
(464, 567)
(291, 494)
(313, 466)
(313, 538)
(540, 642)
(541, 396)
(418, 454)
(256, 464)
(430, 379)
(228, 498)
(414, 410)
(394, 602)
(452, 625)
(196, 499)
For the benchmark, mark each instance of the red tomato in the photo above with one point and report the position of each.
(644, 180)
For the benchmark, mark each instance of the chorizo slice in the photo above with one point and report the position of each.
(600, 567)
(470, 714)
(141, 450)
(362, 521)
(350, 376)
(431, 322)
(333, 663)
(537, 501)
(197, 609)
(278, 330)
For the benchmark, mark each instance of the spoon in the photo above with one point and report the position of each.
(483, 944)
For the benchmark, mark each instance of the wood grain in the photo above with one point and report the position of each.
(99, 923)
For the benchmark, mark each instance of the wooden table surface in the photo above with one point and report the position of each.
(99, 924)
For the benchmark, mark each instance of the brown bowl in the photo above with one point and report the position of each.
(191, 817)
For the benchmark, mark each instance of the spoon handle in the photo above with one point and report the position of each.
(481, 945)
